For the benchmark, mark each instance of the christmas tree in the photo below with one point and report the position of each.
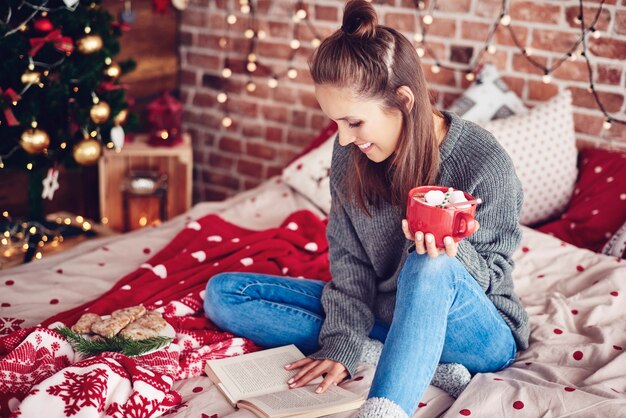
(60, 96)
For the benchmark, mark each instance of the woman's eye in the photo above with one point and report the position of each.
(355, 125)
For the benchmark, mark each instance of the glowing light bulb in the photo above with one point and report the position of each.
(506, 20)
(596, 34)
(261, 34)
(315, 42)
(227, 72)
(435, 69)
(292, 73)
(420, 52)
(573, 57)
(251, 86)
(577, 20)
(607, 124)
(418, 37)
(223, 42)
(528, 51)
(428, 19)
(470, 76)
(222, 97)
(251, 67)
(87, 29)
(29, 166)
(231, 19)
(301, 14)
(491, 49)
(245, 9)
(249, 34)
(272, 83)
(252, 57)
(547, 79)
(227, 121)
(294, 44)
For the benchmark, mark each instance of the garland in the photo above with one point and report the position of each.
(117, 343)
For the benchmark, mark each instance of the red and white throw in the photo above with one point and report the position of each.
(41, 375)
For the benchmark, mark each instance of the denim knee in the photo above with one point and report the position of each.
(218, 288)
(424, 266)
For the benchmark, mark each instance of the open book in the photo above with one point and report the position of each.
(258, 382)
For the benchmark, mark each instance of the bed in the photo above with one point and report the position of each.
(575, 298)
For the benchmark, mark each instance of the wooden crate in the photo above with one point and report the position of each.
(114, 166)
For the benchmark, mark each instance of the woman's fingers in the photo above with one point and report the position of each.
(298, 363)
(419, 243)
(431, 247)
(297, 379)
(450, 246)
(405, 229)
(336, 375)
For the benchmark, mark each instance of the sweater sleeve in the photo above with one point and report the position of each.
(349, 297)
(487, 254)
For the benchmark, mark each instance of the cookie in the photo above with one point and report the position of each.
(132, 312)
(137, 332)
(111, 326)
(152, 320)
(83, 326)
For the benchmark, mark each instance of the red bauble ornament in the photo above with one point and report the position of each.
(43, 24)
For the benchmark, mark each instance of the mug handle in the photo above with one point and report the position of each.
(464, 225)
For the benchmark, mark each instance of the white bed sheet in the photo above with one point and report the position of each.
(575, 298)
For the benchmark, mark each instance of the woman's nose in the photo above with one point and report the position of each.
(345, 138)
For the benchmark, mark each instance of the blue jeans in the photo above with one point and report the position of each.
(441, 316)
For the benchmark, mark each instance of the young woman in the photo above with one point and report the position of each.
(428, 305)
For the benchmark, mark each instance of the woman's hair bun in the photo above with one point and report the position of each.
(359, 19)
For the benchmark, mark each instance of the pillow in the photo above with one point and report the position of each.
(542, 145)
(309, 174)
(617, 244)
(488, 98)
(598, 207)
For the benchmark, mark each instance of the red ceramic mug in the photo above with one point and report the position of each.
(457, 222)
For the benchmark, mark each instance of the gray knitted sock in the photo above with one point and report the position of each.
(450, 377)
(380, 407)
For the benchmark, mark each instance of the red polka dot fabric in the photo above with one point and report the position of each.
(542, 145)
(597, 209)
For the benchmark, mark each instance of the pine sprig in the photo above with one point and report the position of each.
(117, 343)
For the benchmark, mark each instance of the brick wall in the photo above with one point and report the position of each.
(270, 126)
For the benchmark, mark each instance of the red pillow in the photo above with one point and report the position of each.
(597, 208)
(330, 129)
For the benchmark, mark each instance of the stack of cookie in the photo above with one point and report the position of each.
(134, 323)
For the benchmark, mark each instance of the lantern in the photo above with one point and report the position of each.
(145, 199)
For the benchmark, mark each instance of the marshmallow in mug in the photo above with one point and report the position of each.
(437, 197)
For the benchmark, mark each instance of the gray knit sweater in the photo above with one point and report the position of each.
(366, 254)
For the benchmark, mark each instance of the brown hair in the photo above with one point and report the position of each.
(373, 61)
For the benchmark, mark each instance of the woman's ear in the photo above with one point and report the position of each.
(406, 95)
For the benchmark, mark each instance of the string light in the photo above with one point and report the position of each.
(222, 97)
(301, 16)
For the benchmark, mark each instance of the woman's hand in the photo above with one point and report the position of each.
(426, 244)
(333, 372)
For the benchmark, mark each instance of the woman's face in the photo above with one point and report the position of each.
(362, 123)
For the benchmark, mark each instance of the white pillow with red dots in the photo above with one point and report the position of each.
(309, 174)
(542, 145)
(488, 98)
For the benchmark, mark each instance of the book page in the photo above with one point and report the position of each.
(304, 399)
(256, 373)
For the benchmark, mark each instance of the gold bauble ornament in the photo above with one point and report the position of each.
(87, 151)
(34, 141)
(100, 112)
(89, 44)
(121, 117)
(30, 77)
(113, 70)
